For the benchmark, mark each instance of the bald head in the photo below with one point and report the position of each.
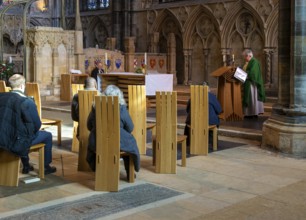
(90, 84)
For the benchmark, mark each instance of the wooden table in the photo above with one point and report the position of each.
(66, 81)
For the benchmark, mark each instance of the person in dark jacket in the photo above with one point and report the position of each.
(97, 70)
(90, 84)
(127, 141)
(30, 115)
(214, 111)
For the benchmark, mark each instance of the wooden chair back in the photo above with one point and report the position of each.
(138, 112)
(166, 132)
(75, 142)
(199, 128)
(108, 143)
(3, 87)
(32, 90)
(86, 99)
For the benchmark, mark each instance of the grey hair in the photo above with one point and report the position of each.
(16, 81)
(248, 52)
(113, 90)
(90, 83)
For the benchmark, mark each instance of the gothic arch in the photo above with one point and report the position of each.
(96, 33)
(272, 28)
(161, 18)
(229, 22)
(190, 24)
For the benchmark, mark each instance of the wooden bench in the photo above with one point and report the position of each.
(10, 165)
(108, 145)
(3, 87)
(166, 140)
(32, 90)
(86, 99)
(75, 142)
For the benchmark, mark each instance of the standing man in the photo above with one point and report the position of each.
(254, 92)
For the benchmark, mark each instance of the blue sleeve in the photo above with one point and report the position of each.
(30, 114)
(126, 120)
(213, 101)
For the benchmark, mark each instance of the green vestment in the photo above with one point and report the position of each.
(254, 77)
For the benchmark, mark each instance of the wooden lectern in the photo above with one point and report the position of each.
(229, 94)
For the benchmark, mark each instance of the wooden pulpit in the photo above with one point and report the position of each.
(229, 94)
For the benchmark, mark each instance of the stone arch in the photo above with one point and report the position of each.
(272, 28)
(190, 24)
(160, 19)
(96, 33)
(229, 22)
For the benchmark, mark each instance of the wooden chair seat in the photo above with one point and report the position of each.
(10, 166)
(213, 128)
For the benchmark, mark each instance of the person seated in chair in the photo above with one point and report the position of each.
(127, 141)
(22, 127)
(214, 111)
(90, 84)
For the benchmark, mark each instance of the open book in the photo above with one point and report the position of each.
(240, 75)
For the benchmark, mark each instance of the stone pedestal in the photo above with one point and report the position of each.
(79, 53)
(286, 129)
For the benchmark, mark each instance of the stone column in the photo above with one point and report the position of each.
(190, 67)
(285, 130)
(268, 61)
(129, 45)
(111, 43)
(55, 71)
(78, 44)
(171, 56)
(37, 64)
(154, 42)
(186, 66)
(63, 15)
(117, 22)
(224, 53)
(206, 61)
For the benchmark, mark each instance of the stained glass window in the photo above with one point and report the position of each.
(97, 4)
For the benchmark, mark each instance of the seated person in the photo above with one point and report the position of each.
(97, 70)
(127, 141)
(27, 126)
(214, 110)
(90, 84)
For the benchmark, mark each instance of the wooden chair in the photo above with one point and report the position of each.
(75, 142)
(3, 87)
(86, 99)
(108, 145)
(199, 128)
(138, 112)
(10, 165)
(32, 89)
(165, 142)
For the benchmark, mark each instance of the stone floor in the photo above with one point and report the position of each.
(245, 182)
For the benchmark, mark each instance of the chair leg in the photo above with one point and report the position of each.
(215, 136)
(42, 163)
(154, 151)
(131, 170)
(59, 133)
(184, 153)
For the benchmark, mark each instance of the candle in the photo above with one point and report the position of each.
(233, 57)
(145, 59)
(105, 58)
(224, 58)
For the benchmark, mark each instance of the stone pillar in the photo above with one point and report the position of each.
(268, 61)
(37, 56)
(186, 66)
(55, 71)
(129, 45)
(78, 44)
(285, 130)
(206, 61)
(190, 66)
(171, 56)
(111, 43)
(154, 42)
(117, 22)
(63, 14)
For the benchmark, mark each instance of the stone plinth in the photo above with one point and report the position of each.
(284, 137)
